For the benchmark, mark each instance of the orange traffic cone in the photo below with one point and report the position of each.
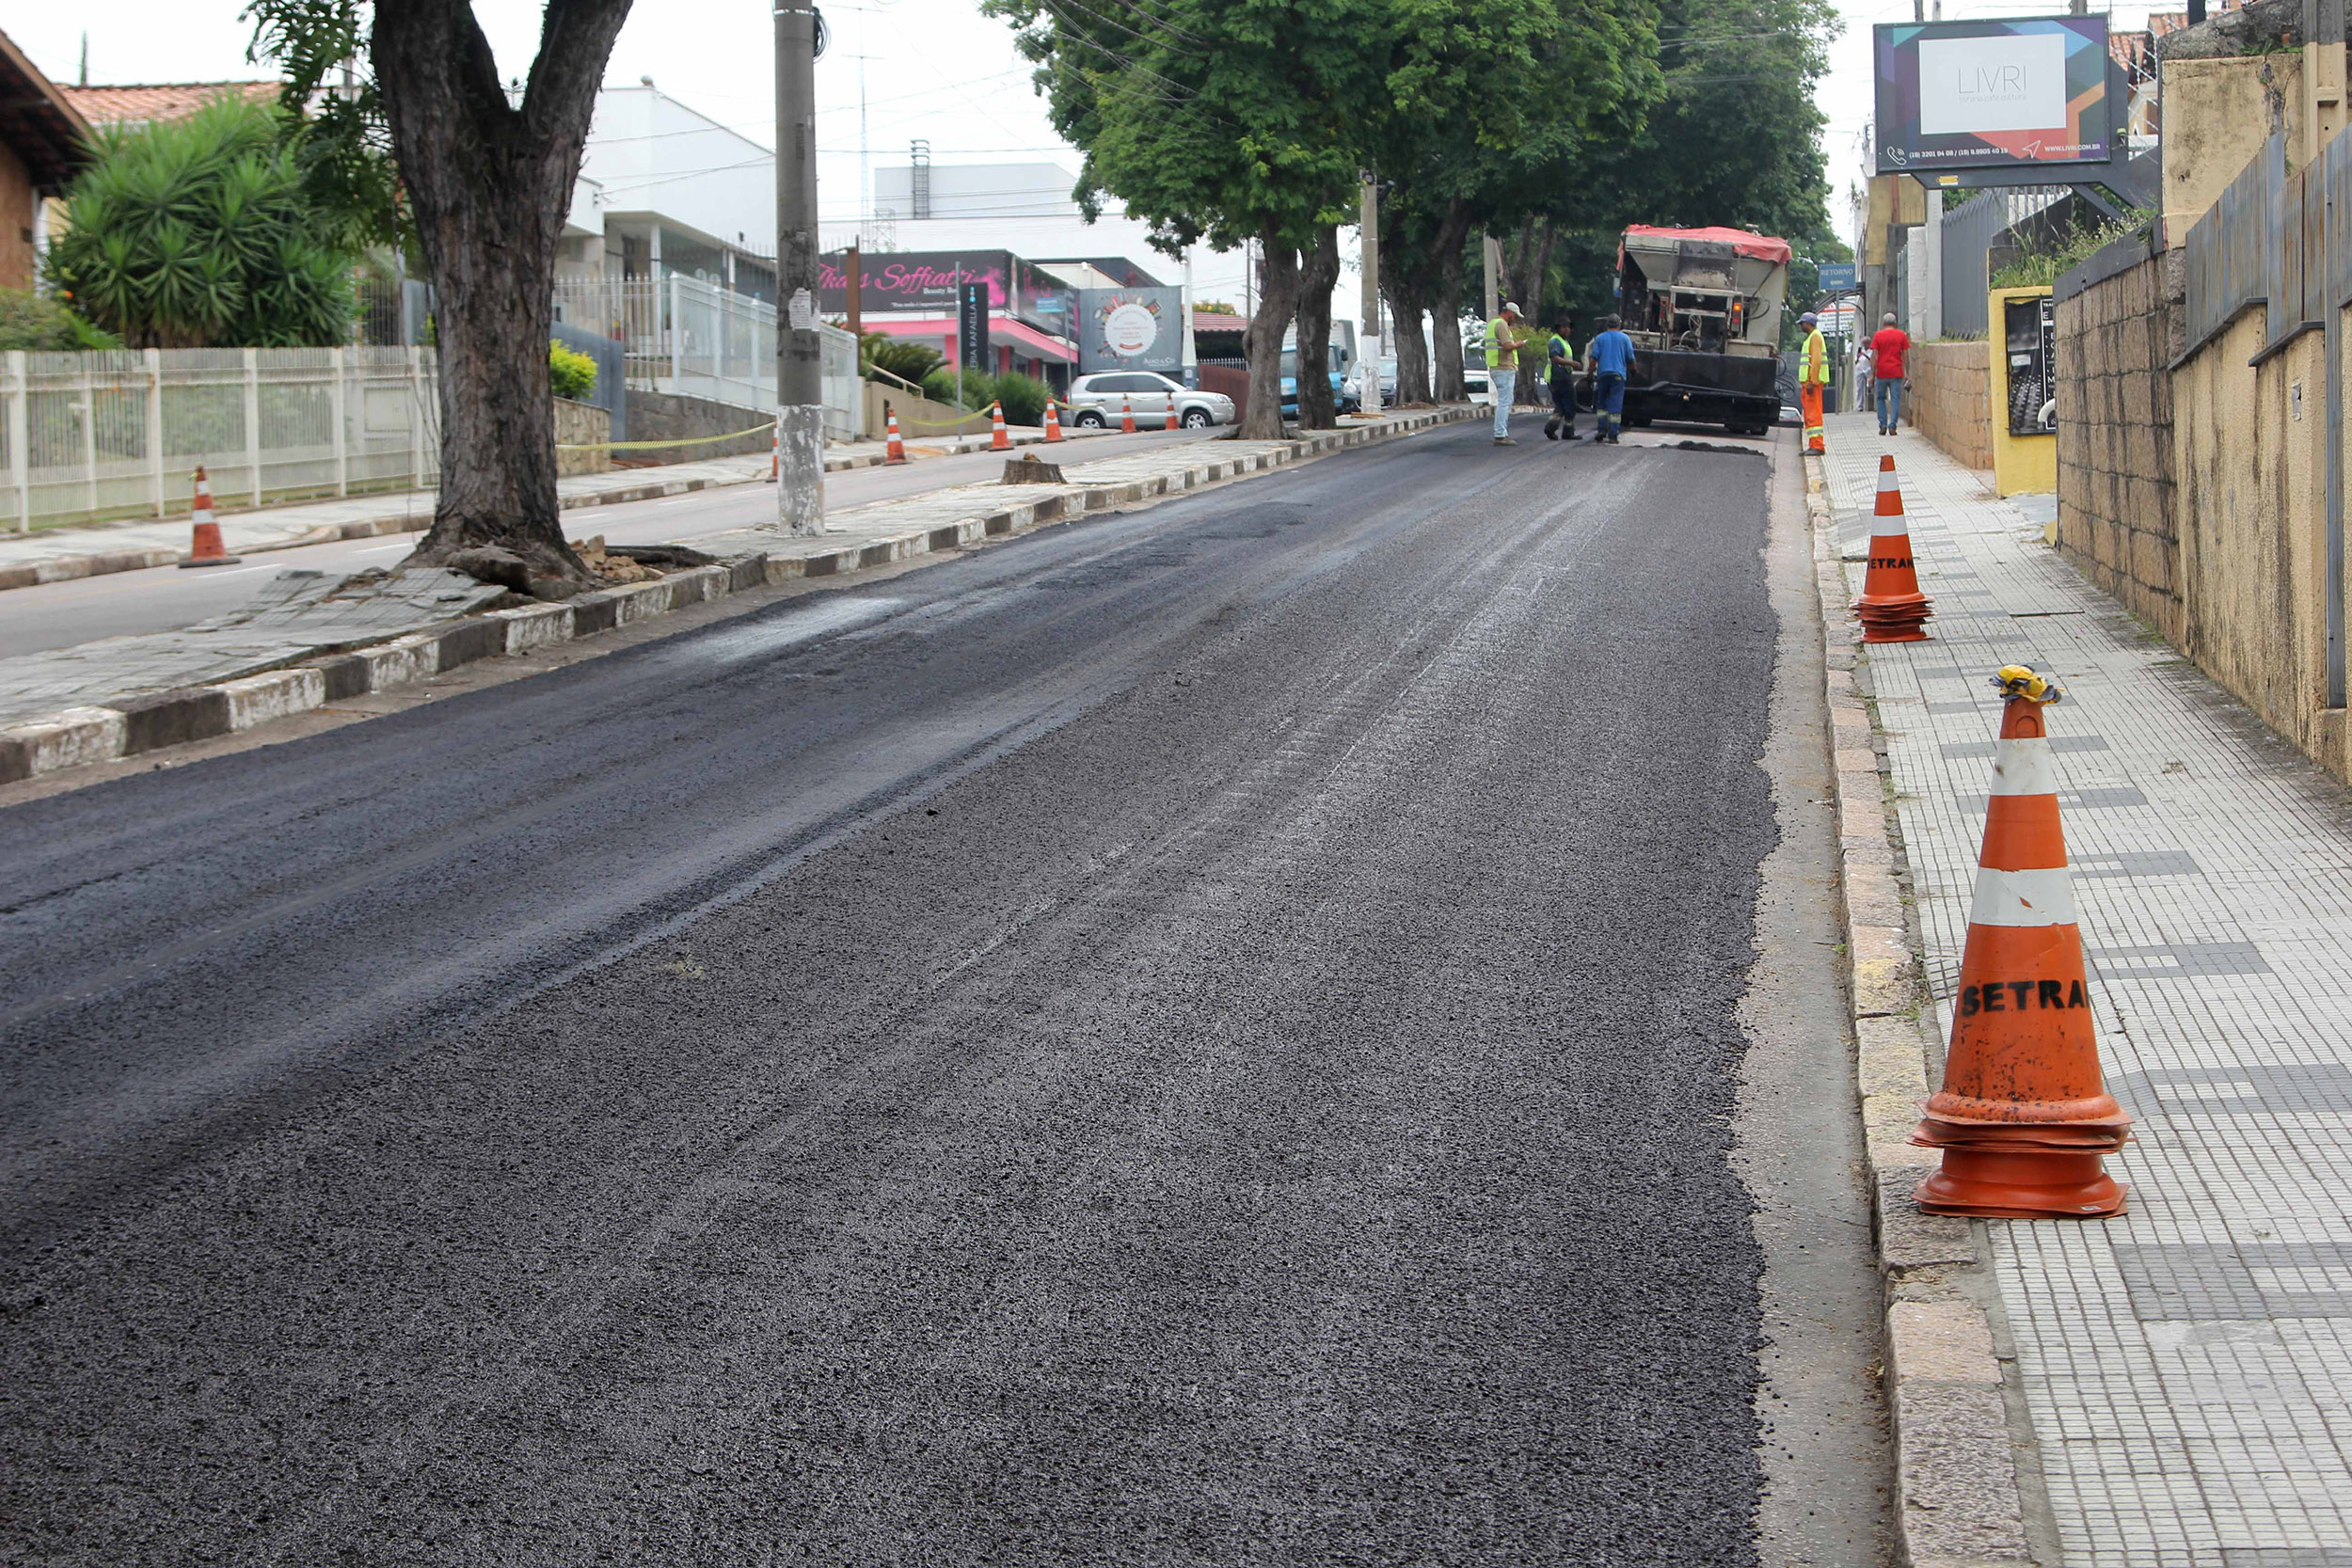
(205, 548)
(896, 450)
(1127, 416)
(1891, 608)
(2023, 1119)
(997, 440)
(1171, 415)
(1053, 422)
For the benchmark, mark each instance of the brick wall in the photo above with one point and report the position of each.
(1948, 400)
(2117, 521)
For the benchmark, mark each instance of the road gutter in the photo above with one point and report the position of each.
(1962, 1463)
(134, 726)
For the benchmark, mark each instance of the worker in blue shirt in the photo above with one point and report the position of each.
(1610, 357)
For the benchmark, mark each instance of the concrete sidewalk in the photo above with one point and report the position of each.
(62, 554)
(2180, 1377)
(124, 695)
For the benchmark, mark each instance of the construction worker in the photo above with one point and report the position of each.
(1610, 357)
(1812, 379)
(1505, 338)
(1560, 356)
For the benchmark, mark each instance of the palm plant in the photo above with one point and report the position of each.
(200, 231)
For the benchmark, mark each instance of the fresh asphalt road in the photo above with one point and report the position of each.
(162, 598)
(1206, 1035)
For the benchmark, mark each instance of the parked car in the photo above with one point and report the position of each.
(1343, 395)
(1097, 401)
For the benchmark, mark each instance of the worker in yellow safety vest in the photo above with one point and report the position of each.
(1812, 379)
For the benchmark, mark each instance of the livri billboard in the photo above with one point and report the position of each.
(2019, 93)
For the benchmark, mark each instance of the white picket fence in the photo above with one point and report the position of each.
(698, 339)
(91, 437)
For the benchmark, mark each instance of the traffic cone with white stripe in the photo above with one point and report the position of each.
(1127, 416)
(2023, 1119)
(1053, 422)
(1891, 608)
(894, 449)
(204, 547)
(998, 441)
(1171, 416)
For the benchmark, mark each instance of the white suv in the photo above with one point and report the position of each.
(1096, 401)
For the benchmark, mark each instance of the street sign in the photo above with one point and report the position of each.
(1838, 278)
(1838, 318)
(972, 327)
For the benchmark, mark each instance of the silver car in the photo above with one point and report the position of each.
(1097, 401)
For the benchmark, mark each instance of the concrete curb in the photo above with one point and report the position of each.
(1957, 1502)
(130, 726)
(71, 568)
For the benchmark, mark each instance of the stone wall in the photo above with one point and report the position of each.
(671, 416)
(2115, 459)
(581, 424)
(1949, 400)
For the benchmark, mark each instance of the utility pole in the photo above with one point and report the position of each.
(800, 362)
(1368, 338)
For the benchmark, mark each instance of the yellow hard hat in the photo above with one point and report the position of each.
(2017, 680)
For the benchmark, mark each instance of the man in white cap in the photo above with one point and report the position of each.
(1812, 379)
(1505, 338)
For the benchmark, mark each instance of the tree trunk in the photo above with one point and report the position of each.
(1412, 350)
(1277, 302)
(1525, 295)
(1447, 308)
(1533, 377)
(1317, 277)
(490, 181)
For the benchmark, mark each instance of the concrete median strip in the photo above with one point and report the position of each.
(1957, 1500)
(133, 725)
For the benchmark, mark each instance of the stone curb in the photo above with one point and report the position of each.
(70, 568)
(130, 726)
(1957, 1503)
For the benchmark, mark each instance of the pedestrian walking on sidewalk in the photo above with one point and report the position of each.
(1560, 355)
(1505, 338)
(1890, 354)
(1812, 379)
(1610, 357)
(1862, 374)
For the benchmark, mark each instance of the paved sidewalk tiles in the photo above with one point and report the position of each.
(2186, 1367)
(57, 554)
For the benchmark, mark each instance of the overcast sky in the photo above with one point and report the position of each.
(933, 69)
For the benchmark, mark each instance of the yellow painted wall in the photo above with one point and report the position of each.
(2217, 114)
(2022, 464)
(2247, 460)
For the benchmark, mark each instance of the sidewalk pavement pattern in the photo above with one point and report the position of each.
(2186, 1367)
(62, 554)
(289, 650)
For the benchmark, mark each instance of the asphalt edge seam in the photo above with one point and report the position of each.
(150, 721)
(1957, 1497)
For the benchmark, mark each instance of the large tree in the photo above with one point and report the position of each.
(487, 175)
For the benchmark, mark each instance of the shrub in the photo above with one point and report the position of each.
(572, 373)
(200, 231)
(2042, 263)
(1023, 398)
(40, 325)
(940, 386)
(909, 361)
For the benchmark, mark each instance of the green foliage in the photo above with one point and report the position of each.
(38, 324)
(940, 386)
(571, 373)
(338, 135)
(909, 361)
(1023, 398)
(200, 231)
(2042, 263)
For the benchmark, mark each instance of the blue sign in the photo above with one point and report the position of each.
(1837, 278)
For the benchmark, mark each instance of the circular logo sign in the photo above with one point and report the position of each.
(1130, 331)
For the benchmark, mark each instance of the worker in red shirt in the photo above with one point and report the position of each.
(1890, 348)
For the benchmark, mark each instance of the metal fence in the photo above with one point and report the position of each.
(698, 340)
(88, 437)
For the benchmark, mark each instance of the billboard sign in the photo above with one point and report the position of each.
(1130, 329)
(2018, 93)
(972, 327)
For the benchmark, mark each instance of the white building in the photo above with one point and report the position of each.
(671, 190)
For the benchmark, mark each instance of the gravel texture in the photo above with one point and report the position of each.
(1200, 1037)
